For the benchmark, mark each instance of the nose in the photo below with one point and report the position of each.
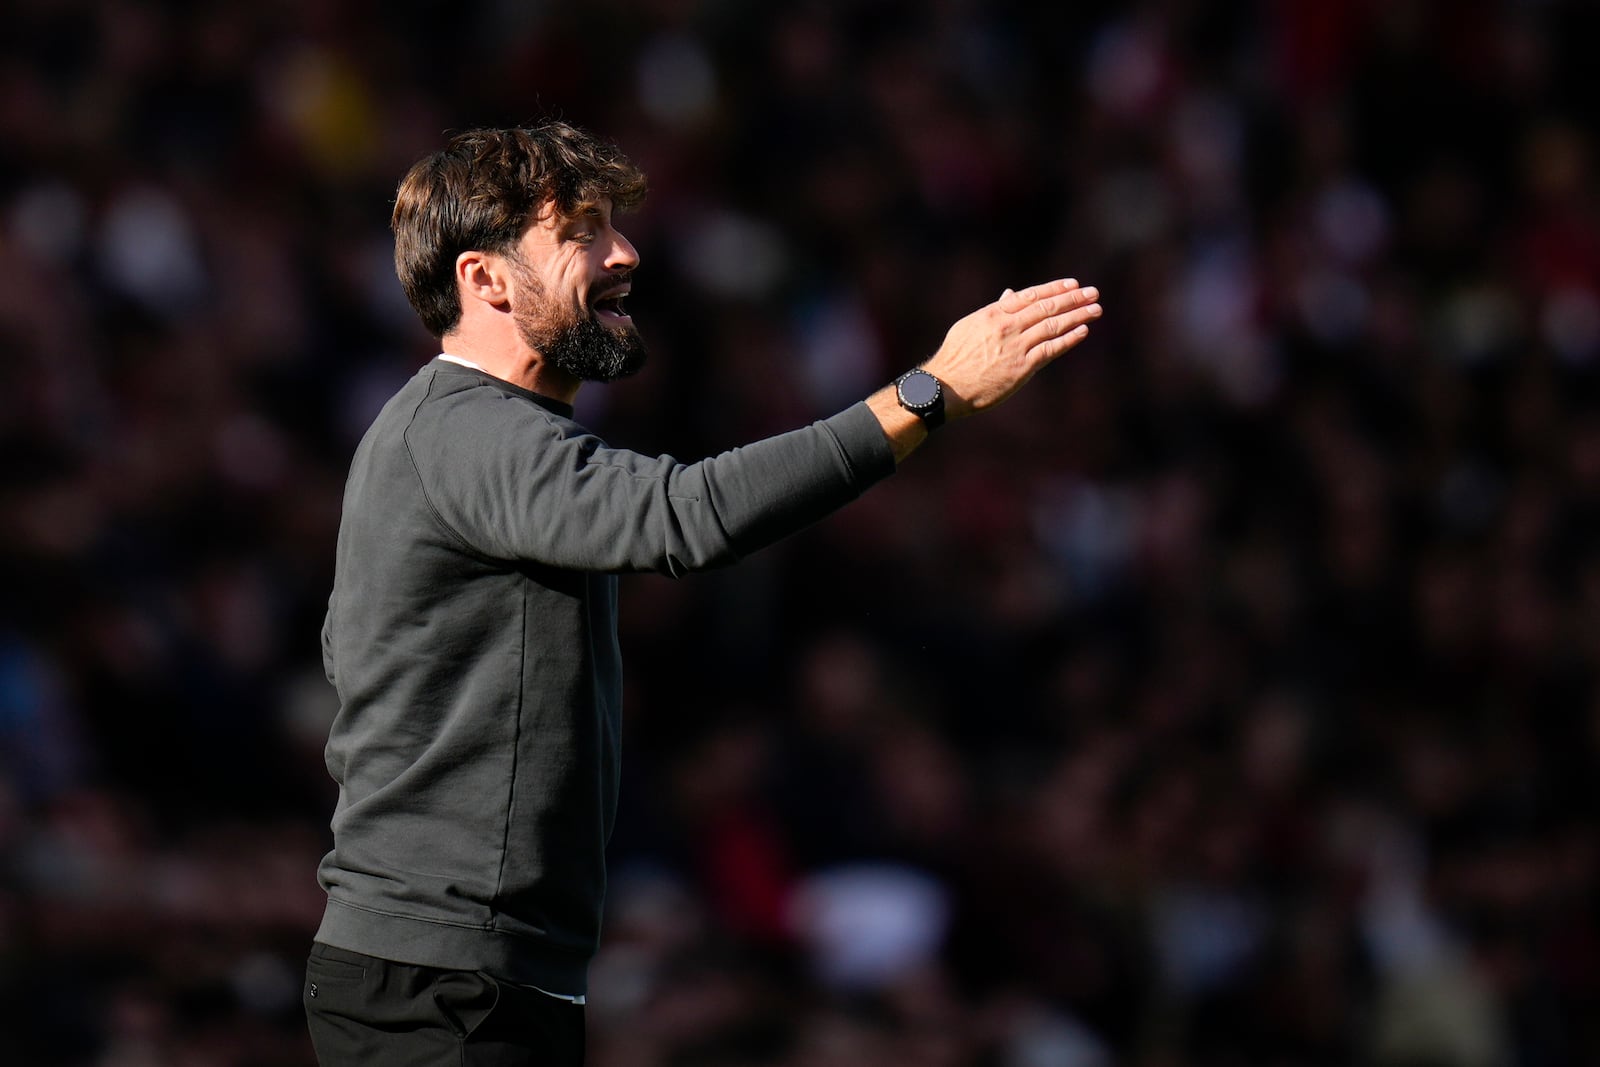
(623, 256)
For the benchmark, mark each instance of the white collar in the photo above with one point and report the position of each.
(459, 360)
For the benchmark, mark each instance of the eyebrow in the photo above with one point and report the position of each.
(588, 212)
(594, 209)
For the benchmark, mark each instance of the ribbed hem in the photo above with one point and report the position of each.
(461, 948)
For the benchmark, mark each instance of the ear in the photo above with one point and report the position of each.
(483, 276)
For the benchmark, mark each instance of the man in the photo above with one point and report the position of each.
(471, 632)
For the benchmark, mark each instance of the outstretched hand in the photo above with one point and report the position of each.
(991, 353)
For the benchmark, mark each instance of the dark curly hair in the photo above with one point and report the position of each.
(482, 191)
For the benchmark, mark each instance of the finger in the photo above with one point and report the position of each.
(1062, 322)
(1016, 300)
(1051, 338)
(1050, 349)
(1050, 306)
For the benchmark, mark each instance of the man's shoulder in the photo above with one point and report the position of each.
(446, 411)
(443, 390)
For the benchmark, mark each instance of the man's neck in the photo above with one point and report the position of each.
(523, 367)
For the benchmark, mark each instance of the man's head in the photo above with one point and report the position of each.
(540, 199)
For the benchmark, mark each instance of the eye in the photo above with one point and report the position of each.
(584, 237)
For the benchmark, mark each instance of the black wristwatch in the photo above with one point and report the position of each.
(923, 395)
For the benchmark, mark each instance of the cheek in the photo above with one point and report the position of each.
(574, 282)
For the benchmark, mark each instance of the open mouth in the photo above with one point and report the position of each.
(610, 308)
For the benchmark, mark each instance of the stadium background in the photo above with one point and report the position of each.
(1228, 698)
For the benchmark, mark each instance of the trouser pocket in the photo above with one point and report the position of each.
(368, 1012)
(465, 1000)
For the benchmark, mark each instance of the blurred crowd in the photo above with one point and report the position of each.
(1230, 697)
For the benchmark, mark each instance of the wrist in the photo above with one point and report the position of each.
(903, 430)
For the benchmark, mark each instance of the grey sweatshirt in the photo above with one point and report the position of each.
(472, 637)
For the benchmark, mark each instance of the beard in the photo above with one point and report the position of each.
(578, 344)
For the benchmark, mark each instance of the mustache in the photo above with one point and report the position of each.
(611, 284)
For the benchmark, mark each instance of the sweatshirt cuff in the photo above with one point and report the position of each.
(865, 447)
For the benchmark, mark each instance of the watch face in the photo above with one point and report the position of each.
(919, 390)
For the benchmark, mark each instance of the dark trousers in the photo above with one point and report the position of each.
(366, 1011)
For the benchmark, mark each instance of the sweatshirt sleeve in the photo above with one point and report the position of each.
(513, 481)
